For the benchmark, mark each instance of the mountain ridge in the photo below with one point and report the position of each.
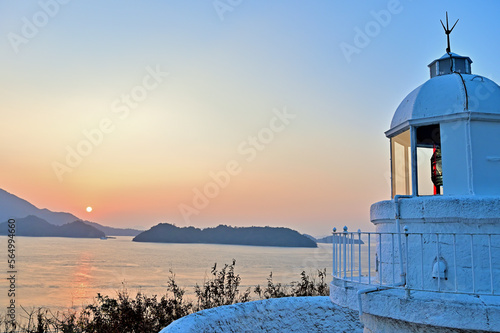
(12, 206)
(34, 226)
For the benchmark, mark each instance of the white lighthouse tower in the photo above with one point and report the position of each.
(433, 263)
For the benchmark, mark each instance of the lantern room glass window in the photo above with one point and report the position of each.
(401, 164)
(429, 165)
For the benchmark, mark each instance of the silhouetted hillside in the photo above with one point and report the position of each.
(338, 238)
(11, 206)
(260, 236)
(110, 231)
(36, 227)
(310, 237)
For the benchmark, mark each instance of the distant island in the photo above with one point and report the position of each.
(110, 231)
(339, 238)
(223, 234)
(34, 226)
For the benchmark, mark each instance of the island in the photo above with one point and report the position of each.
(33, 226)
(339, 239)
(223, 234)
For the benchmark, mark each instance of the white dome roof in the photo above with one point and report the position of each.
(446, 95)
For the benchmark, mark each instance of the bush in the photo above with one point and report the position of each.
(126, 314)
(220, 289)
(272, 290)
(142, 314)
(307, 286)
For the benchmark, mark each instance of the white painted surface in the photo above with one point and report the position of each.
(442, 214)
(391, 311)
(485, 142)
(447, 56)
(291, 314)
(454, 158)
(466, 146)
(445, 95)
(446, 211)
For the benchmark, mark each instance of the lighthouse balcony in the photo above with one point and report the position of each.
(458, 263)
(414, 281)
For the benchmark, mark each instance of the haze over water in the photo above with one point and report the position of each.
(59, 273)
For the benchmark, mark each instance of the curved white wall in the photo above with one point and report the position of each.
(290, 314)
(445, 215)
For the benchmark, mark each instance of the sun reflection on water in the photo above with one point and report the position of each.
(82, 278)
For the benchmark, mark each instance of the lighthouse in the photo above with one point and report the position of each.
(433, 262)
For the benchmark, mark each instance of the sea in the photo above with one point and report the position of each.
(68, 273)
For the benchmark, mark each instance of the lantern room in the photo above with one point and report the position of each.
(445, 135)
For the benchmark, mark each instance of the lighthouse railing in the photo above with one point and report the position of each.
(459, 263)
(364, 257)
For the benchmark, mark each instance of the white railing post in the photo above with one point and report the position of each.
(351, 239)
(393, 260)
(438, 261)
(472, 263)
(369, 259)
(380, 258)
(359, 255)
(455, 260)
(404, 274)
(421, 261)
(491, 265)
(344, 236)
(334, 244)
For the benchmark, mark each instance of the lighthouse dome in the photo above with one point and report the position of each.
(447, 95)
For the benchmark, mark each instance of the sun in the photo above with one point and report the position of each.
(89, 209)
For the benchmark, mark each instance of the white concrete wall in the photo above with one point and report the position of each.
(290, 314)
(454, 158)
(476, 215)
(391, 311)
(471, 157)
(486, 157)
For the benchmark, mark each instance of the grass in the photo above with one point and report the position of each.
(145, 314)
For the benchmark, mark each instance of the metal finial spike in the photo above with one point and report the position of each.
(448, 31)
(454, 25)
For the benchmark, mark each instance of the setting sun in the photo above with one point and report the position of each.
(89, 209)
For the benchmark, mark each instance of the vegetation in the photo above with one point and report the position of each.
(223, 234)
(145, 314)
(306, 286)
(221, 289)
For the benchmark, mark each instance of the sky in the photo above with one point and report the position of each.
(217, 112)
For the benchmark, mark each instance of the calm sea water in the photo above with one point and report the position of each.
(61, 273)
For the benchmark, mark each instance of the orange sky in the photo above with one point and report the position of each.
(157, 97)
